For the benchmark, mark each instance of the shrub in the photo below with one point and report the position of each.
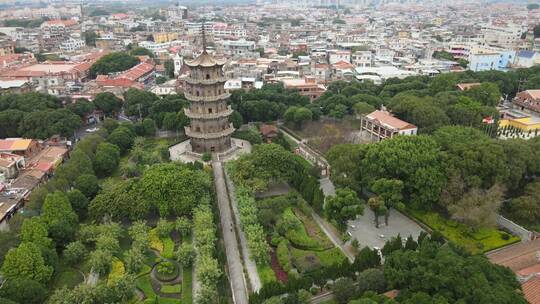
(282, 253)
(206, 157)
(164, 228)
(117, 270)
(74, 252)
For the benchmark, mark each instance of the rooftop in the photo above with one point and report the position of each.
(205, 60)
(385, 118)
(14, 144)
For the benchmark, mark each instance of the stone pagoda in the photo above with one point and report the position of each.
(210, 129)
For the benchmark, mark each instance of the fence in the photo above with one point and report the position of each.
(516, 229)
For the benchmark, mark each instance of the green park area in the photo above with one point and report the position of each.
(476, 241)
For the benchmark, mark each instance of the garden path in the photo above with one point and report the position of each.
(234, 262)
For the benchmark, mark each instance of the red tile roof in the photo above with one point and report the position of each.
(61, 22)
(531, 289)
(137, 71)
(517, 256)
(386, 118)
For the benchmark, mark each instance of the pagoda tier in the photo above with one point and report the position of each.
(210, 129)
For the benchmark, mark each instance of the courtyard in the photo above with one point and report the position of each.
(363, 228)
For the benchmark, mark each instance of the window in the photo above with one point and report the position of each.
(207, 76)
(210, 110)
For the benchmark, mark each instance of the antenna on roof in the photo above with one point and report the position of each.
(203, 37)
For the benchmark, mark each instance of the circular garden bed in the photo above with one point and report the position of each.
(166, 271)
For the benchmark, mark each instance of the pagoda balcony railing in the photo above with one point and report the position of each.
(220, 114)
(191, 97)
(191, 80)
(209, 135)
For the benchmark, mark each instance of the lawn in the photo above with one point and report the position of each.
(144, 284)
(67, 277)
(177, 288)
(168, 247)
(187, 274)
(480, 241)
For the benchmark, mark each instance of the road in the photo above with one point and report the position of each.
(234, 262)
(250, 265)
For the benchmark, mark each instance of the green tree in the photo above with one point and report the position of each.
(371, 280)
(34, 230)
(183, 225)
(79, 202)
(87, 184)
(174, 188)
(415, 160)
(134, 260)
(487, 93)
(113, 62)
(365, 259)
(536, 31)
(138, 102)
(140, 51)
(344, 206)
(90, 38)
(74, 252)
(149, 127)
(123, 137)
(390, 190)
(26, 262)
(100, 261)
(60, 218)
(108, 103)
(169, 68)
(107, 158)
(344, 290)
(23, 290)
(361, 108)
(164, 228)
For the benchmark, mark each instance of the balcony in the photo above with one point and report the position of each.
(220, 114)
(209, 135)
(194, 98)
(205, 81)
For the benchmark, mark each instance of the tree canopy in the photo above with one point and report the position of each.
(113, 62)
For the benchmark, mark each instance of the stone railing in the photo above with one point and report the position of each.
(209, 135)
(205, 81)
(216, 115)
(191, 97)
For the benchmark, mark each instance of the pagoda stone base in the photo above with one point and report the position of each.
(184, 152)
(200, 145)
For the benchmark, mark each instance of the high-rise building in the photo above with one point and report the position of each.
(210, 129)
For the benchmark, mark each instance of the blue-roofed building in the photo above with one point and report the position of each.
(486, 60)
(527, 59)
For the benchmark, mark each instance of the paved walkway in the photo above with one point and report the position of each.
(234, 263)
(327, 187)
(250, 265)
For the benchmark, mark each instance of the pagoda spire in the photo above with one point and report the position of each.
(203, 37)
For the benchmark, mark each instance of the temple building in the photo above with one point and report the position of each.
(210, 129)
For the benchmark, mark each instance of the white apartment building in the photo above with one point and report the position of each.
(240, 48)
(72, 44)
(335, 56)
(362, 59)
(504, 36)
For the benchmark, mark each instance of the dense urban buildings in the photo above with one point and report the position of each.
(270, 151)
